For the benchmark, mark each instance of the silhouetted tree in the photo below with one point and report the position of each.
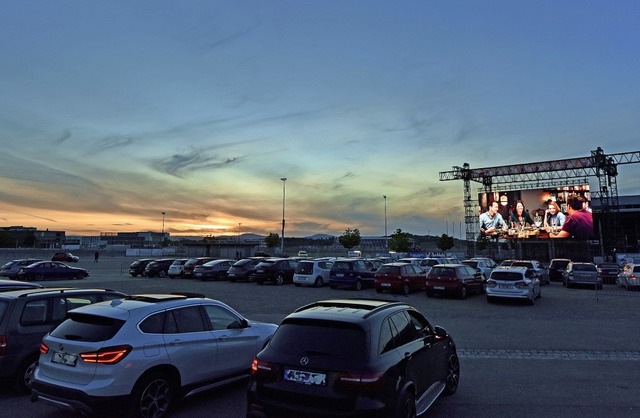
(400, 241)
(350, 238)
(272, 240)
(445, 242)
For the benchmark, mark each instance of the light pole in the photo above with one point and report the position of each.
(162, 238)
(386, 245)
(284, 180)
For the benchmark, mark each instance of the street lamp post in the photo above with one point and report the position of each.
(284, 180)
(386, 244)
(162, 237)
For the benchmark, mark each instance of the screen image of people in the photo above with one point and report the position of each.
(579, 223)
(561, 212)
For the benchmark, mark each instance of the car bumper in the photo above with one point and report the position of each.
(509, 294)
(304, 279)
(74, 400)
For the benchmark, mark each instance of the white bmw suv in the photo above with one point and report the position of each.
(145, 352)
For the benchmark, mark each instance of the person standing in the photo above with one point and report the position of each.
(96, 256)
(579, 223)
(491, 221)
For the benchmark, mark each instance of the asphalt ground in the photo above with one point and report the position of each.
(576, 353)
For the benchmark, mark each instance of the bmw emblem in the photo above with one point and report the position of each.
(304, 360)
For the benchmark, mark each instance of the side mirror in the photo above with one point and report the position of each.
(238, 324)
(440, 332)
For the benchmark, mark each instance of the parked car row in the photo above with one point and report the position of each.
(81, 349)
(29, 269)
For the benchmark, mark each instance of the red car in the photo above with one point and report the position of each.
(68, 257)
(454, 279)
(399, 278)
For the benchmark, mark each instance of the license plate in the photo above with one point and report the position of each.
(505, 286)
(63, 358)
(259, 271)
(385, 284)
(438, 287)
(307, 378)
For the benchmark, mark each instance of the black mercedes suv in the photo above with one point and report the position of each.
(353, 357)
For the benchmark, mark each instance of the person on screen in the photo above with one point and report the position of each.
(519, 216)
(553, 213)
(491, 220)
(579, 223)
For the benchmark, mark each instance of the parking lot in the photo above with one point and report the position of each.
(575, 353)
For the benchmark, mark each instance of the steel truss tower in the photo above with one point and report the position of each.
(545, 174)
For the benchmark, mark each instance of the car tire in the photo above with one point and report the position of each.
(357, 285)
(24, 375)
(532, 301)
(462, 293)
(279, 280)
(133, 275)
(406, 407)
(162, 273)
(153, 395)
(453, 374)
(222, 275)
(319, 282)
(406, 289)
(39, 277)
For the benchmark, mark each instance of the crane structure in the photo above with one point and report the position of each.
(545, 174)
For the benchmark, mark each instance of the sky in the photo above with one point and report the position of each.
(113, 112)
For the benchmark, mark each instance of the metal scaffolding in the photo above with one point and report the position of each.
(546, 174)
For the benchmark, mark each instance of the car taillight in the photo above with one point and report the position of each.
(262, 368)
(108, 355)
(3, 345)
(44, 349)
(359, 381)
(520, 285)
(633, 276)
(491, 283)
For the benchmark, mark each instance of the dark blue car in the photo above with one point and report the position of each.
(51, 270)
(353, 273)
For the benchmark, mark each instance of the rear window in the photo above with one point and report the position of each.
(522, 264)
(266, 264)
(335, 339)
(442, 272)
(507, 276)
(304, 267)
(429, 263)
(389, 269)
(341, 265)
(3, 308)
(179, 262)
(584, 267)
(473, 264)
(243, 263)
(559, 264)
(91, 328)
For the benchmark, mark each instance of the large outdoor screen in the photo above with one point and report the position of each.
(539, 205)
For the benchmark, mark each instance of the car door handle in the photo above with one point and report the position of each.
(175, 342)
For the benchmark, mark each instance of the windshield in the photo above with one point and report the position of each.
(507, 276)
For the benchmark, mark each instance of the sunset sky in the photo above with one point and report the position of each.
(112, 112)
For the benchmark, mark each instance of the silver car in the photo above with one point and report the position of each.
(628, 277)
(513, 283)
(581, 274)
(146, 352)
(313, 272)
